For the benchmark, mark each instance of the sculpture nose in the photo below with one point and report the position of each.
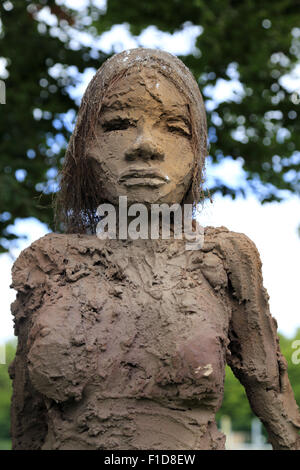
(144, 148)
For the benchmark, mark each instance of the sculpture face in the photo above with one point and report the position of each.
(142, 146)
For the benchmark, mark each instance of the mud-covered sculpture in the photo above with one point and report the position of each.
(123, 343)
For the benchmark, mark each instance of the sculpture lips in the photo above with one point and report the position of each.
(143, 177)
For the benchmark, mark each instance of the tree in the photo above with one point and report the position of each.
(257, 42)
(34, 128)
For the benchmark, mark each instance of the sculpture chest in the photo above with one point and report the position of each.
(146, 323)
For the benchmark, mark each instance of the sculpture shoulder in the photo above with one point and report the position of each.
(34, 262)
(47, 256)
(223, 238)
(240, 257)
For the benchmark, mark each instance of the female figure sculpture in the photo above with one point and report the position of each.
(123, 343)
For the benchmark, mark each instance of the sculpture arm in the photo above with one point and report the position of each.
(254, 352)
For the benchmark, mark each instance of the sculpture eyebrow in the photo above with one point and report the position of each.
(107, 114)
(173, 117)
(114, 105)
(178, 117)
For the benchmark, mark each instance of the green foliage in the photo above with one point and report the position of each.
(235, 404)
(33, 129)
(256, 41)
(293, 368)
(5, 396)
(5, 445)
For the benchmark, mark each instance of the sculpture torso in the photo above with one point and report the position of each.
(133, 321)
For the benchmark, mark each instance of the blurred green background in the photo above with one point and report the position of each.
(5, 396)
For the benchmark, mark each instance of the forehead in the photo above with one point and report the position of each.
(142, 87)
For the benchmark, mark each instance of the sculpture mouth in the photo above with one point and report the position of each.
(143, 177)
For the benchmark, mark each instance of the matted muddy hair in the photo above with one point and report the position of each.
(80, 192)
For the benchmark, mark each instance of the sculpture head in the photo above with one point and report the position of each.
(140, 133)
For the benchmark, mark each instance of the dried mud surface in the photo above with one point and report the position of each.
(123, 344)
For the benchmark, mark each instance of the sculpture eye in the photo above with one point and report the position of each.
(179, 125)
(116, 125)
(179, 128)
